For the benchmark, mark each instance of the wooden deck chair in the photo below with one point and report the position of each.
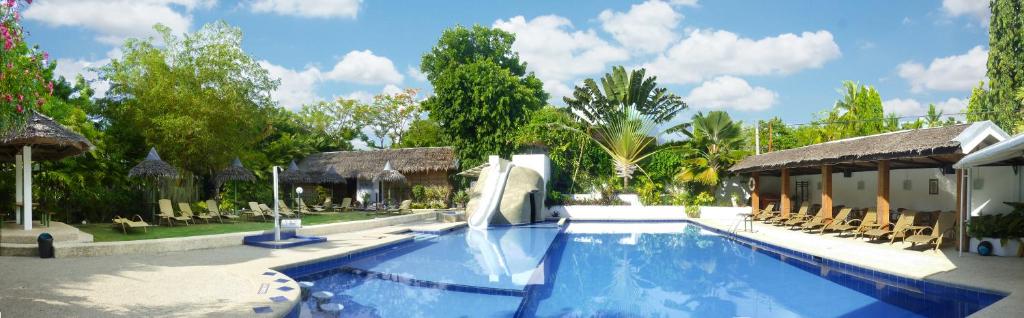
(855, 227)
(896, 230)
(301, 206)
(214, 210)
(186, 211)
(267, 210)
(327, 205)
(167, 213)
(767, 213)
(798, 221)
(255, 212)
(823, 222)
(946, 222)
(802, 212)
(402, 207)
(285, 210)
(346, 204)
(125, 223)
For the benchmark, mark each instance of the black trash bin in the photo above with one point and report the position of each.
(45, 241)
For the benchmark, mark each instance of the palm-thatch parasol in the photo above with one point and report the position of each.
(389, 176)
(293, 175)
(40, 139)
(156, 169)
(235, 172)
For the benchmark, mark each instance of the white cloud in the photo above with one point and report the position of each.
(912, 107)
(727, 92)
(975, 8)
(308, 8)
(364, 67)
(951, 73)
(116, 20)
(557, 53)
(297, 87)
(366, 97)
(647, 27)
(416, 74)
(688, 3)
(71, 68)
(706, 53)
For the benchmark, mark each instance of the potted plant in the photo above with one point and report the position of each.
(1005, 232)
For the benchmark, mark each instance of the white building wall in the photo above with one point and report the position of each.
(991, 186)
(861, 188)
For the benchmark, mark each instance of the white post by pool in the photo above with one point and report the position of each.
(277, 221)
(18, 196)
(26, 154)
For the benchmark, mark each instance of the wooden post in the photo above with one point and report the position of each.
(826, 190)
(755, 193)
(883, 192)
(961, 211)
(784, 187)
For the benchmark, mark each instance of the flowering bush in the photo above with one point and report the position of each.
(23, 83)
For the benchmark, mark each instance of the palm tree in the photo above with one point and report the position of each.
(715, 141)
(628, 137)
(591, 102)
(934, 117)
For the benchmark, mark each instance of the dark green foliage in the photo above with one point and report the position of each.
(576, 163)
(423, 133)
(482, 94)
(619, 89)
(1005, 64)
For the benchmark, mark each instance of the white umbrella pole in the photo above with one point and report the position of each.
(27, 173)
(277, 219)
(19, 197)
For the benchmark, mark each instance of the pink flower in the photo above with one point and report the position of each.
(21, 98)
(10, 3)
(8, 44)
(9, 97)
(46, 56)
(20, 110)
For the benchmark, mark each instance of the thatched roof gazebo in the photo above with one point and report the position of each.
(152, 167)
(235, 172)
(295, 175)
(331, 176)
(40, 138)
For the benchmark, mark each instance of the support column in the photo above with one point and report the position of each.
(826, 191)
(784, 199)
(882, 204)
(961, 211)
(18, 187)
(26, 154)
(755, 193)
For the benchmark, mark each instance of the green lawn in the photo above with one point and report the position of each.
(104, 232)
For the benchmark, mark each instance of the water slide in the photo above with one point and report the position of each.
(490, 193)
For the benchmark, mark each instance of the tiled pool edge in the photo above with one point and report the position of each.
(546, 267)
(316, 265)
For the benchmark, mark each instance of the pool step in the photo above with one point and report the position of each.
(424, 236)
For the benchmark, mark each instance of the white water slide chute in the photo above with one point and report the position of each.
(490, 193)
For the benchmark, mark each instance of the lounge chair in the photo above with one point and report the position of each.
(125, 223)
(346, 204)
(767, 213)
(255, 211)
(167, 213)
(327, 205)
(798, 221)
(214, 210)
(267, 210)
(802, 212)
(897, 230)
(186, 211)
(855, 226)
(285, 210)
(303, 209)
(403, 207)
(946, 222)
(823, 221)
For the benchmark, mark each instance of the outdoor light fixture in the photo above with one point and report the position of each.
(847, 174)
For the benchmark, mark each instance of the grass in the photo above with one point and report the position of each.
(104, 232)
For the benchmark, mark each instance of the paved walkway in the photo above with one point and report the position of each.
(221, 282)
(1003, 274)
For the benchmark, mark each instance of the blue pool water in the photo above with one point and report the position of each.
(619, 270)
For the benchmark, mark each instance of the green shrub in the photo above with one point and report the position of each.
(418, 193)
(554, 198)
(461, 198)
(695, 202)
(649, 191)
(1002, 226)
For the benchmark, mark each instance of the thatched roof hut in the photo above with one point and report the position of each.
(918, 148)
(153, 167)
(235, 172)
(367, 164)
(49, 140)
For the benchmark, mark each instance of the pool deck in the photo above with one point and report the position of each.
(221, 282)
(1002, 274)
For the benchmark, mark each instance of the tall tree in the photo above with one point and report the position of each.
(199, 98)
(1006, 63)
(25, 83)
(389, 116)
(717, 144)
(576, 163)
(620, 88)
(482, 92)
(934, 117)
(337, 121)
(423, 132)
(860, 110)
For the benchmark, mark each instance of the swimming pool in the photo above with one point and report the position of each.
(664, 269)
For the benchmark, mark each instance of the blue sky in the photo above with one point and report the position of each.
(756, 59)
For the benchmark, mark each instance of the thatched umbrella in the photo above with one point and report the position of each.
(235, 172)
(40, 139)
(331, 176)
(389, 176)
(293, 175)
(152, 168)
